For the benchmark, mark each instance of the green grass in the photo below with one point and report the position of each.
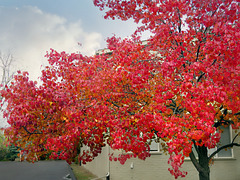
(81, 173)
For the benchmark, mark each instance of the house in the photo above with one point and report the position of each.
(225, 165)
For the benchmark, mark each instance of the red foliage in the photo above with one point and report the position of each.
(172, 88)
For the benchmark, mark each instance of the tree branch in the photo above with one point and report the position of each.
(113, 103)
(195, 146)
(195, 162)
(180, 22)
(31, 132)
(224, 147)
(198, 50)
(215, 60)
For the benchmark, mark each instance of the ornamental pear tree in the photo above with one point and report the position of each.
(180, 87)
(199, 45)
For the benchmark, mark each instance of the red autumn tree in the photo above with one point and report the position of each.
(181, 87)
(53, 118)
(196, 90)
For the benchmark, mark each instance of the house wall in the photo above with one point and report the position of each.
(100, 165)
(156, 167)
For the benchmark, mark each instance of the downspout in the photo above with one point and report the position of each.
(108, 174)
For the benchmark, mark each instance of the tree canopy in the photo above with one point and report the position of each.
(178, 87)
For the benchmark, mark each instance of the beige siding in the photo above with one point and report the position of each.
(227, 169)
(149, 169)
(156, 167)
(100, 165)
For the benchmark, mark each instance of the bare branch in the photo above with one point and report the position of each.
(6, 63)
(6, 72)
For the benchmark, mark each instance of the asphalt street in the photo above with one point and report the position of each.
(42, 170)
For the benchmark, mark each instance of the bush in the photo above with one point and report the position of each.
(9, 153)
(12, 153)
(3, 153)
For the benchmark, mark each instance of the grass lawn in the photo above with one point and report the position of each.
(81, 173)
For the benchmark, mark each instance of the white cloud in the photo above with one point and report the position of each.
(29, 32)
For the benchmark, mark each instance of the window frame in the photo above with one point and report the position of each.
(216, 156)
(153, 151)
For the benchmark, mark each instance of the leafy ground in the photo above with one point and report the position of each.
(81, 173)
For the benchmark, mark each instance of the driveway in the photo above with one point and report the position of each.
(42, 170)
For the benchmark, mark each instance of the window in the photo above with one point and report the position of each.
(226, 138)
(154, 147)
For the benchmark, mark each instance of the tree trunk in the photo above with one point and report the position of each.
(201, 163)
(204, 174)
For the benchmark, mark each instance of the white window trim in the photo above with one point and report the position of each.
(153, 151)
(214, 149)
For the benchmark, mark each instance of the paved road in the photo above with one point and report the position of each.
(42, 170)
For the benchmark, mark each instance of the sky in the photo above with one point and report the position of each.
(29, 28)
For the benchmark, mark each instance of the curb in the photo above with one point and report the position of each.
(71, 172)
